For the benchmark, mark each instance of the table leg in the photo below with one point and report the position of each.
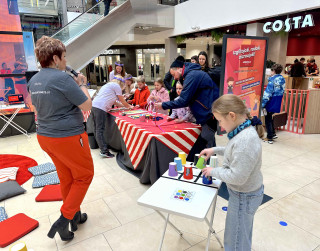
(171, 224)
(164, 232)
(211, 230)
(13, 124)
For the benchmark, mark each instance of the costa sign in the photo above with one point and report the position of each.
(289, 24)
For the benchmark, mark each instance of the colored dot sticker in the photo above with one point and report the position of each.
(177, 193)
(186, 199)
(225, 208)
(283, 223)
(183, 194)
(175, 197)
(181, 198)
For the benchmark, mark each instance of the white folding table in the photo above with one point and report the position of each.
(9, 121)
(160, 197)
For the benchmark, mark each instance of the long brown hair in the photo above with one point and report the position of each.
(232, 103)
(123, 71)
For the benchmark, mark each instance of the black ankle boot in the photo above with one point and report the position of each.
(61, 226)
(78, 218)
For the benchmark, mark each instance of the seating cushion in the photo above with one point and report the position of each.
(46, 179)
(50, 193)
(9, 189)
(16, 227)
(9, 173)
(42, 169)
(3, 214)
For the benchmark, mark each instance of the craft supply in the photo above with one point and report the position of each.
(183, 195)
(178, 161)
(188, 173)
(173, 169)
(196, 158)
(142, 118)
(207, 180)
(201, 162)
(213, 161)
(183, 157)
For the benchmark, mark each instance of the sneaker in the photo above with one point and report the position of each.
(107, 154)
(270, 141)
(275, 136)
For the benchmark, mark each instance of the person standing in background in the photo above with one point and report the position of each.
(195, 59)
(203, 61)
(106, 6)
(118, 70)
(272, 98)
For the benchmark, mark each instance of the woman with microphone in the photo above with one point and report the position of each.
(58, 99)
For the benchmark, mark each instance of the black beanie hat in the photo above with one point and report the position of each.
(177, 64)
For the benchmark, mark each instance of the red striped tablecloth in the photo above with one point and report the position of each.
(86, 115)
(137, 135)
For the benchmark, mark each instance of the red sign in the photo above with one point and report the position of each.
(244, 67)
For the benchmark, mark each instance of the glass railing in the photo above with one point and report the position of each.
(39, 7)
(83, 22)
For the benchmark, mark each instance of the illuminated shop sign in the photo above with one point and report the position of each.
(289, 24)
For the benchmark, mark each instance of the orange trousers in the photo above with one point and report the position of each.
(73, 160)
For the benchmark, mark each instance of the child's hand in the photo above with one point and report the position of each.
(179, 121)
(137, 106)
(169, 119)
(207, 152)
(129, 101)
(207, 171)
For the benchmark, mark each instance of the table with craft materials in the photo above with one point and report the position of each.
(189, 198)
(146, 146)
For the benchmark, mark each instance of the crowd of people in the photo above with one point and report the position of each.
(188, 91)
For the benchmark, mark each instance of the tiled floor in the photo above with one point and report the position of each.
(291, 169)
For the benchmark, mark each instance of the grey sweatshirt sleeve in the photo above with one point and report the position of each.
(219, 150)
(239, 170)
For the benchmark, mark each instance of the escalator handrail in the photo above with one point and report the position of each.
(77, 18)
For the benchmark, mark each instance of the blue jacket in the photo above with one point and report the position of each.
(272, 96)
(199, 91)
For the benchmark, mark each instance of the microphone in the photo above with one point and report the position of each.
(72, 71)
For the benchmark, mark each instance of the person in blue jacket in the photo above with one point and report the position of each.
(199, 92)
(272, 98)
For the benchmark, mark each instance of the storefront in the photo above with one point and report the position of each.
(147, 60)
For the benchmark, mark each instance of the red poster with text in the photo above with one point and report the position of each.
(244, 70)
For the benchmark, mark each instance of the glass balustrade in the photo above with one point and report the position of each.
(83, 22)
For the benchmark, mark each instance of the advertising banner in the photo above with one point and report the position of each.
(243, 69)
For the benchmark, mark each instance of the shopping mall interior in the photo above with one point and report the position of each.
(128, 163)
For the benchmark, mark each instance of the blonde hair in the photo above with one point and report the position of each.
(160, 81)
(118, 81)
(129, 77)
(141, 79)
(232, 103)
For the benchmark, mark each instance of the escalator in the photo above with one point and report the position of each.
(91, 33)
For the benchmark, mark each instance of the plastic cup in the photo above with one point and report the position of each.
(183, 157)
(201, 162)
(173, 169)
(188, 173)
(213, 161)
(178, 161)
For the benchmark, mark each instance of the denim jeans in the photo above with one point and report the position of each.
(269, 125)
(99, 118)
(239, 222)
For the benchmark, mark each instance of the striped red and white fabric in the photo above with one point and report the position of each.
(137, 139)
(9, 173)
(86, 115)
